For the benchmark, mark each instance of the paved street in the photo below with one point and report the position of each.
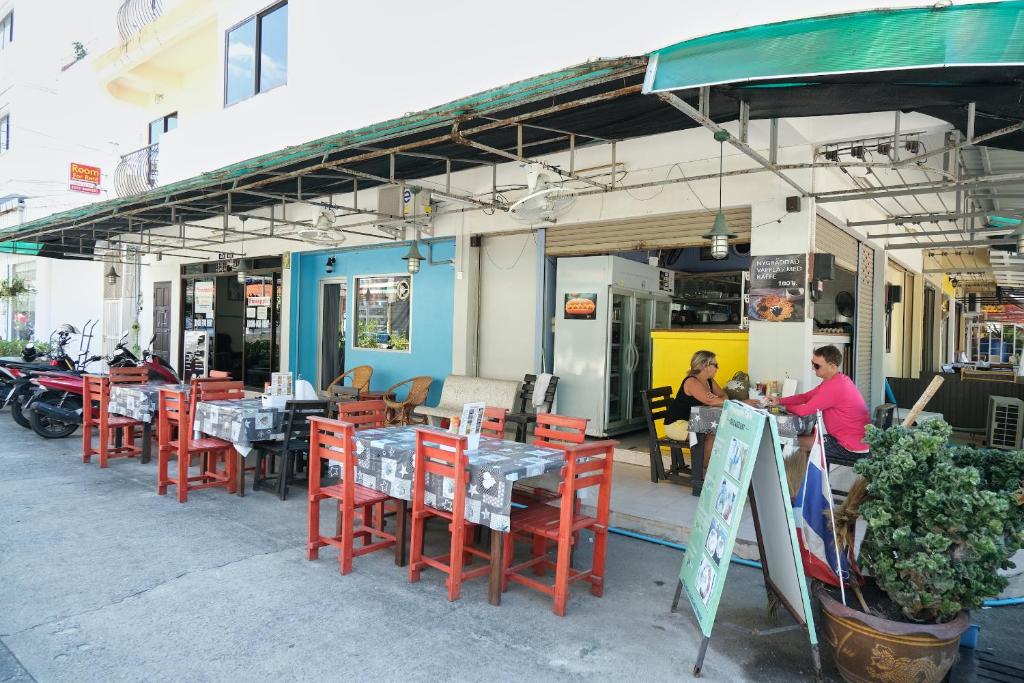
(104, 580)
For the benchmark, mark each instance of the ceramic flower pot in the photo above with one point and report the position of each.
(869, 649)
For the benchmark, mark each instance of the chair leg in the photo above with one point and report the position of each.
(86, 441)
(104, 446)
(162, 457)
(282, 476)
(348, 514)
(183, 463)
(562, 572)
(455, 559)
(416, 546)
(231, 464)
(256, 475)
(313, 526)
(506, 558)
(600, 548)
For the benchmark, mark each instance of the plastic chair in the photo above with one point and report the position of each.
(442, 455)
(96, 416)
(401, 411)
(175, 408)
(359, 378)
(586, 466)
(332, 439)
(493, 424)
(279, 457)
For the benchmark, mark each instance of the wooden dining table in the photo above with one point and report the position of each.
(243, 422)
(385, 459)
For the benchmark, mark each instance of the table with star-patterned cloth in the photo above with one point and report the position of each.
(384, 462)
(704, 420)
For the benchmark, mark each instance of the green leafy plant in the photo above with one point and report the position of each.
(941, 520)
(79, 49)
(13, 288)
(366, 334)
(14, 347)
(399, 341)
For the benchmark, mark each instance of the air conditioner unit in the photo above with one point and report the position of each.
(1005, 422)
(412, 203)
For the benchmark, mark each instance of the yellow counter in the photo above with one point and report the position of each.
(674, 348)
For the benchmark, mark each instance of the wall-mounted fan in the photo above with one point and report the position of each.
(323, 232)
(544, 201)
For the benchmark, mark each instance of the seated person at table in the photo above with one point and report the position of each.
(842, 407)
(698, 388)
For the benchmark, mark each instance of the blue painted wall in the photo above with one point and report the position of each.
(433, 296)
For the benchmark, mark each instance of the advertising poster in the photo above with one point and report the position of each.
(778, 285)
(720, 509)
(204, 294)
(580, 306)
(84, 178)
(472, 421)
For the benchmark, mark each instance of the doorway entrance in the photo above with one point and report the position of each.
(232, 324)
(333, 300)
(162, 320)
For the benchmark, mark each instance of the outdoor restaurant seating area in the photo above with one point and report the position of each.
(510, 510)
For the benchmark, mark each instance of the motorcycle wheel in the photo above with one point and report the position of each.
(51, 428)
(19, 415)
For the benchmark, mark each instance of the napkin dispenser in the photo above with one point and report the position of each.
(276, 401)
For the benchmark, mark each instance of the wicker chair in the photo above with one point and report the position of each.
(400, 412)
(359, 376)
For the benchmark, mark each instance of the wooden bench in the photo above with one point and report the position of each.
(460, 389)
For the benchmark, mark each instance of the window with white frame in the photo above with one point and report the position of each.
(256, 54)
(7, 30)
(5, 132)
(23, 308)
(383, 305)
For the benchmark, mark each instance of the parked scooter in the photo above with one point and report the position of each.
(18, 372)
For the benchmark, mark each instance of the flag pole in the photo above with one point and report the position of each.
(831, 510)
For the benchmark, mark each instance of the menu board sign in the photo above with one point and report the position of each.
(778, 285)
(472, 421)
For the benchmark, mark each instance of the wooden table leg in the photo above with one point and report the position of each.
(240, 485)
(402, 534)
(494, 586)
(147, 442)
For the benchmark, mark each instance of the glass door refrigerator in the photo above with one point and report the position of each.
(609, 306)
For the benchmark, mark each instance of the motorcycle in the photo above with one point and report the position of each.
(55, 407)
(18, 372)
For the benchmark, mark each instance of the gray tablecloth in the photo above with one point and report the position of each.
(704, 420)
(385, 463)
(240, 421)
(137, 401)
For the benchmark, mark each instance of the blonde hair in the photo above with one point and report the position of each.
(700, 360)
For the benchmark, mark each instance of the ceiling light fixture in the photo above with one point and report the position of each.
(720, 234)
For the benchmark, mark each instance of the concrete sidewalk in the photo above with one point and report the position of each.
(104, 580)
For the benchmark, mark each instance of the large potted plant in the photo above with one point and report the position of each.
(941, 522)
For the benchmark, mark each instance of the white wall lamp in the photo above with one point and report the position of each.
(112, 276)
(720, 234)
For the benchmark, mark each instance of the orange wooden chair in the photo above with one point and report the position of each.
(220, 374)
(493, 424)
(586, 465)
(443, 455)
(175, 409)
(363, 414)
(332, 439)
(96, 416)
(552, 431)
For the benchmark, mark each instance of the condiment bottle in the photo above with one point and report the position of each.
(453, 425)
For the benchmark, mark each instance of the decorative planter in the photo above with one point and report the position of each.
(868, 649)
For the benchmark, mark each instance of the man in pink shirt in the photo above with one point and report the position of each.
(842, 407)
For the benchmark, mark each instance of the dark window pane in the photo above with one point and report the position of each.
(241, 66)
(155, 129)
(5, 133)
(274, 49)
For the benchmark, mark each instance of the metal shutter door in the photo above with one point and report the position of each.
(831, 239)
(865, 312)
(661, 231)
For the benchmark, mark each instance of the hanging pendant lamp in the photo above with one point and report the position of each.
(720, 234)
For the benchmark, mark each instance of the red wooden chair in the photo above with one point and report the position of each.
(96, 416)
(443, 455)
(219, 391)
(175, 409)
(219, 374)
(586, 466)
(493, 424)
(363, 414)
(332, 439)
(552, 431)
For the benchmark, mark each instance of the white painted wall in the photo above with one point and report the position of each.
(508, 306)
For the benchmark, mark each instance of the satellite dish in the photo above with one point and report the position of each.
(324, 231)
(545, 201)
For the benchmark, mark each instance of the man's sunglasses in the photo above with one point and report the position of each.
(816, 366)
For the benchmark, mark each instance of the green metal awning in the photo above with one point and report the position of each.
(977, 35)
(28, 248)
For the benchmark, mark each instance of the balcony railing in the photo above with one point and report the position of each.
(133, 15)
(137, 171)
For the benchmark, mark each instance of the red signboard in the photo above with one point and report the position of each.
(85, 178)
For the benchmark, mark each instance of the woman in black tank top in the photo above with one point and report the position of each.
(698, 388)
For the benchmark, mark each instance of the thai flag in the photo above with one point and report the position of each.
(812, 508)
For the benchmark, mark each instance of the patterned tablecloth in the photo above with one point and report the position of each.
(385, 463)
(704, 420)
(137, 401)
(240, 421)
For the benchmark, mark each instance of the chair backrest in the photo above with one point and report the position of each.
(524, 400)
(359, 378)
(136, 375)
(494, 422)
(885, 415)
(219, 374)
(418, 389)
(341, 394)
(442, 455)
(656, 402)
(297, 424)
(557, 430)
(174, 408)
(95, 388)
(363, 414)
(332, 440)
(587, 465)
(219, 391)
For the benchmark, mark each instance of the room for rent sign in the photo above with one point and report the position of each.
(84, 178)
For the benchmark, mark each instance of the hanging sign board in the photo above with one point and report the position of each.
(84, 178)
(196, 353)
(778, 286)
(472, 421)
(747, 457)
